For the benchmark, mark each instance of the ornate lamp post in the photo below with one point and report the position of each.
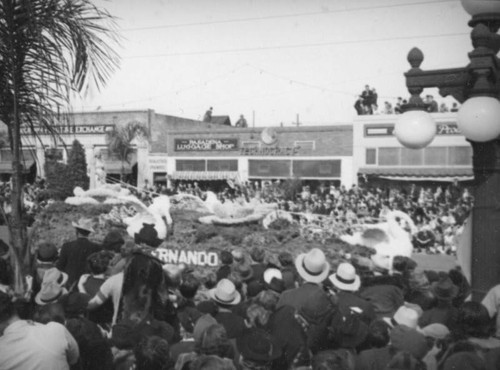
(477, 86)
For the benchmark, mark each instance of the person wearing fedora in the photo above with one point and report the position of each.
(258, 349)
(46, 258)
(313, 268)
(443, 312)
(346, 283)
(52, 287)
(226, 297)
(74, 254)
(29, 345)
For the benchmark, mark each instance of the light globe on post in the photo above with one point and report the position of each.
(415, 129)
(477, 7)
(479, 118)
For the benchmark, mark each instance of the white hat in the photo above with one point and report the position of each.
(404, 316)
(84, 224)
(225, 293)
(346, 278)
(54, 276)
(50, 293)
(272, 273)
(312, 266)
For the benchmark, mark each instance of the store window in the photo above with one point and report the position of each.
(412, 157)
(316, 168)
(222, 165)
(269, 168)
(388, 156)
(435, 156)
(190, 165)
(371, 156)
(459, 155)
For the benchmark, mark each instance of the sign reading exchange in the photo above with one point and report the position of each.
(68, 130)
(205, 145)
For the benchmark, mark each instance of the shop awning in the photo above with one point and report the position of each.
(420, 173)
(204, 175)
(115, 167)
(6, 166)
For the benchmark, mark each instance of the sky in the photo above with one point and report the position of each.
(274, 60)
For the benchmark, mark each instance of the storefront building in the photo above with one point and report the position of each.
(184, 149)
(378, 155)
(316, 153)
(91, 130)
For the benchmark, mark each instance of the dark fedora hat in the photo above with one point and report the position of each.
(257, 345)
(444, 289)
(148, 235)
(113, 241)
(47, 252)
(245, 271)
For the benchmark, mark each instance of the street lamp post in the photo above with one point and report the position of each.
(477, 86)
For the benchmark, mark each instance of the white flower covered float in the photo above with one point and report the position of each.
(234, 212)
(388, 239)
(157, 214)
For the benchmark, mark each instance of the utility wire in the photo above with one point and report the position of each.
(296, 46)
(282, 16)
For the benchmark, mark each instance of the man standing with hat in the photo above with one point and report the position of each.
(346, 283)
(444, 312)
(73, 255)
(226, 297)
(313, 268)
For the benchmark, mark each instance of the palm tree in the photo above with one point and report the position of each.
(49, 49)
(120, 141)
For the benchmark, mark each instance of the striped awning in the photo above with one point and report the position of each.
(204, 175)
(420, 173)
(115, 167)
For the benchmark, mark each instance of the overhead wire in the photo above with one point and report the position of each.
(282, 16)
(295, 46)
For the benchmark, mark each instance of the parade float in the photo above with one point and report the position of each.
(194, 230)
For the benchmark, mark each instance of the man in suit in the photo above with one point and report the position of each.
(73, 255)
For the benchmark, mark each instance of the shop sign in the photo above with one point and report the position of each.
(271, 151)
(157, 164)
(204, 145)
(177, 256)
(68, 130)
(388, 130)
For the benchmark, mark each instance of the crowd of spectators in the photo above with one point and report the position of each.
(438, 212)
(367, 104)
(116, 306)
(32, 200)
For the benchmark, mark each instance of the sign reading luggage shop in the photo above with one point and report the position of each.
(177, 256)
(68, 129)
(204, 145)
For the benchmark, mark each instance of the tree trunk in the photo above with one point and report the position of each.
(18, 237)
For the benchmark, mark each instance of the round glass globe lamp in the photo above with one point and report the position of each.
(479, 118)
(476, 7)
(415, 129)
